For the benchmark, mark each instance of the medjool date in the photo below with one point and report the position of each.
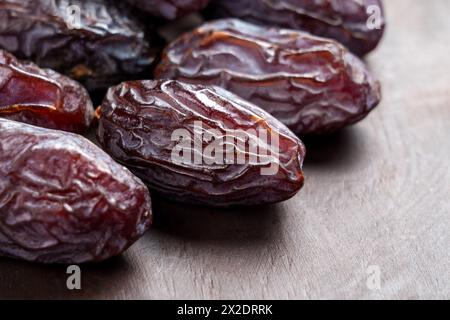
(93, 41)
(63, 200)
(313, 85)
(199, 144)
(169, 9)
(358, 24)
(42, 97)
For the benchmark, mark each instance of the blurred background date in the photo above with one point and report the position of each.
(42, 97)
(97, 42)
(169, 9)
(313, 85)
(357, 24)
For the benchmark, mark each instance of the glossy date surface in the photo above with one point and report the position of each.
(137, 125)
(95, 42)
(63, 200)
(358, 24)
(313, 85)
(42, 97)
(169, 9)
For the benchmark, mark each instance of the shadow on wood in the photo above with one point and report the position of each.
(237, 225)
(23, 280)
(343, 150)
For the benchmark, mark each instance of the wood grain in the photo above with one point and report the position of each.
(376, 194)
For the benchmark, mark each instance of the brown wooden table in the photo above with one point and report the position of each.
(377, 197)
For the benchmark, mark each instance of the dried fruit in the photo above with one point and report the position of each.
(358, 24)
(42, 97)
(94, 41)
(63, 200)
(196, 144)
(313, 85)
(169, 9)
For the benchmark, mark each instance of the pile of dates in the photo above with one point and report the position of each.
(216, 121)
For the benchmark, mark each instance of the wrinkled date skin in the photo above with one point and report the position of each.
(85, 208)
(359, 25)
(313, 85)
(137, 123)
(169, 9)
(94, 41)
(42, 97)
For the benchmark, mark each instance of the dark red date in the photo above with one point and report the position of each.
(63, 200)
(358, 24)
(313, 85)
(95, 42)
(139, 126)
(169, 9)
(42, 97)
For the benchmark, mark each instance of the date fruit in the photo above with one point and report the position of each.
(94, 42)
(358, 24)
(169, 9)
(196, 144)
(63, 200)
(313, 85)
(42, 97)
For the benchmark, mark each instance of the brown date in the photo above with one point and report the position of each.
(169, 9)
(140, 124)
(63, 200)
(42, 97)
(96, 42)
(313, 85)
(357, 24)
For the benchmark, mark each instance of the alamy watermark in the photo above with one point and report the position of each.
(373, 281)
(73, 13)
(375, 20)
(208, 146)
(74, 279)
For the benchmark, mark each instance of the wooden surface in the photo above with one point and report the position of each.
(377, 194)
